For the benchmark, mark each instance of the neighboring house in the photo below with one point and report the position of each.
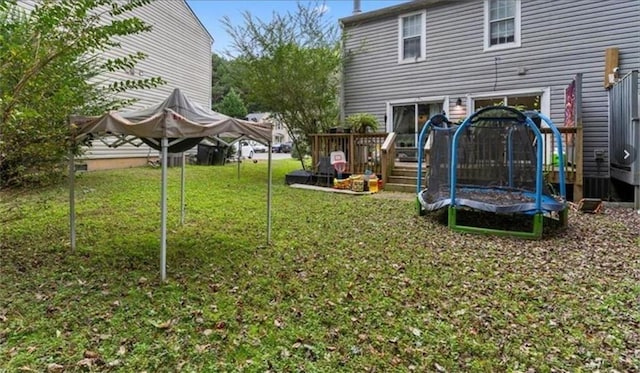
(178, 50)
(410, 61)
(280, 132)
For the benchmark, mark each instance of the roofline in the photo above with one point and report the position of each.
(199, 21)
(409, 6)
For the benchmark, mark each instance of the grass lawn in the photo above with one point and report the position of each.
(350, 283)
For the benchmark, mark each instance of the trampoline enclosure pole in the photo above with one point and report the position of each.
(558, 136)
(454, 158)
(421, 140)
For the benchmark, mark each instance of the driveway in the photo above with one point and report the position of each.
(274, 156)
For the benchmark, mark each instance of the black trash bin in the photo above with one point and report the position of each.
(211, 154)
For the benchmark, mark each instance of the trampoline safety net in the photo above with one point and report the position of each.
(497, 150)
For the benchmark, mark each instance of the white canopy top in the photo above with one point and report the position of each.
(175, 117)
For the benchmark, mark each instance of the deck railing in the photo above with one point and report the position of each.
(363, 151)
(572, 160)
(376, 152)
(388, 156)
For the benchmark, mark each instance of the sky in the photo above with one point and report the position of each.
(210, 13)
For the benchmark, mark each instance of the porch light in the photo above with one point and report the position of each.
(459, 102)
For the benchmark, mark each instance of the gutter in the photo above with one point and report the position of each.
(395, 10)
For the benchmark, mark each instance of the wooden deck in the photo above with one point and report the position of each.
(363, 151)
(376, 152)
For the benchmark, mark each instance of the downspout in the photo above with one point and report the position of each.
(341, 74)
(356, 10)
(210, 107)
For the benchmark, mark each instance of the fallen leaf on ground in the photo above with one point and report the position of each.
(91, 354)
(87, 363)
(55, 368)
(121, 351)
(164, 325)
(114, 363)
(202, 348)
(439, 368)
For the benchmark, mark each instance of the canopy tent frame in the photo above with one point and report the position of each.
(175, 119)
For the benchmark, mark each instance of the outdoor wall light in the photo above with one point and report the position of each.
(459, 102)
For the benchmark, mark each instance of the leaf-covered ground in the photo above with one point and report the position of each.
(348, 284)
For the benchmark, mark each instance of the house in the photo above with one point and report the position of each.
(410, 61)
(178, 50)
(280, 131)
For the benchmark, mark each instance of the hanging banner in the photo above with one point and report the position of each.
(570, 104)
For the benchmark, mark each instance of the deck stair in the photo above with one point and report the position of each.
(403, 178)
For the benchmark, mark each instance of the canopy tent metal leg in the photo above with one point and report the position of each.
(182, 182)
(238, 159)
(269, 177)
(72, 200)
(164, 143)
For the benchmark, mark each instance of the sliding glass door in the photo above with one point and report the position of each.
(407, 122)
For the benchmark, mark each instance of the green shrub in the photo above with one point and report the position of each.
(47, 65)
(361, 122)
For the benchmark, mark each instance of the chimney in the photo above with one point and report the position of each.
(356, 7)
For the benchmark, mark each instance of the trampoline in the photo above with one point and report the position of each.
(492, 162)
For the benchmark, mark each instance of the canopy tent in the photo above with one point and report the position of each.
(175, 124)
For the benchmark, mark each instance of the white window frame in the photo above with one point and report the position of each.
(545, 97)
(412, 101)
(487, 29)
(423, 38)
(545, 107)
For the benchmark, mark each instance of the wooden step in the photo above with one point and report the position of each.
(405, 172)
(410, 166)
(399, 179)
(392, 187)
(403, 177)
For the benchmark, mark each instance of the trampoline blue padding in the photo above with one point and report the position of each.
(498, 200)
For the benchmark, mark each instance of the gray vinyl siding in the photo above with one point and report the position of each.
(28, 5)
(178, 50)
(559, 38)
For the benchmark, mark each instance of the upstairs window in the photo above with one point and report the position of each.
(412, 37)
(502, 24)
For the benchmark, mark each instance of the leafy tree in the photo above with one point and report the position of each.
(220, 78)
(232, 105)
(290, 66)
(225, 76)
(50, 67)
